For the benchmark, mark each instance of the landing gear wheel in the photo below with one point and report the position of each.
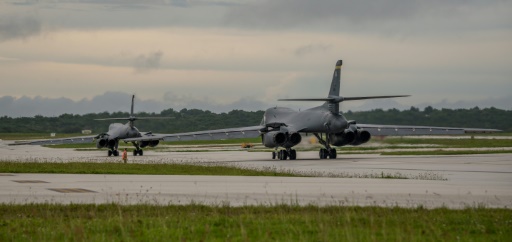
(273, 155)
(141, 153)
(332, 153)
(115, 153)
(135, 152)
(293, 154)
(282, 155)
(109, 153)
(323, 153)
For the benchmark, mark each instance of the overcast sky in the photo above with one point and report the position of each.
(80, 56)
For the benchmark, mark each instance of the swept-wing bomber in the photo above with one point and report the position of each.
(109, 139)
(281, 128)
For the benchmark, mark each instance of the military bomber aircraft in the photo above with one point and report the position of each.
(110, 139)
(282, 127)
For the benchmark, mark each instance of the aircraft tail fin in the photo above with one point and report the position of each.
(335, 83)
(333, 99)
(131, 111)
(132, 118)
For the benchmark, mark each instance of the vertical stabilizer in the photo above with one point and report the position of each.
(131, 112)
(335, 84)
(334, 92)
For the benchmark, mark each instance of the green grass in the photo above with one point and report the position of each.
(452, 143)
(134, 168)
(113, 222)
(447, 152)
(256, 140)
(190, 142)
(191, 169)
(28, 136)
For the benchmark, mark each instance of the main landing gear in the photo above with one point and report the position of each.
(284, 154)
(326, 152)
(113, 153)
(138, 150)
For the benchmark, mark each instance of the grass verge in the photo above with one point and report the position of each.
(134, 168)
(447, 152)
(451, 143)
(29, 136)
(197, 168)
(113, 222)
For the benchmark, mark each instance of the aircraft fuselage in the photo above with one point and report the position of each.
(122, 131)
(315, 120)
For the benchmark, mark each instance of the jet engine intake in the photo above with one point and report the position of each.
(111, 143)
(274, 139)
(362, 137)
(293, 140)
(101, 143)
(153, 143)
(143, 144)
(344, 138)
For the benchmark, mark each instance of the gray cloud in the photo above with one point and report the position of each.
(366, 14)
(337, 15)
(145, 63)
(179, 102)
(120, 102)
(19, 27)
(109, 101)
(116, 102)
(312, 48)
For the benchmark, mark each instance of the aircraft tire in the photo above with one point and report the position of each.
(323, 153)
(293, 154)
(141, 152)
(273, 155)
(135, 152)
(284, 155)
(332, 153)
(109, 153)
(115, 153)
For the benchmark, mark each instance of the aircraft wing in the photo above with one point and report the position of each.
(70, 140)
(403, 130)
(218, 134)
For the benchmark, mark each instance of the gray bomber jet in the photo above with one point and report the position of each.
(282, 127)
(110, 139)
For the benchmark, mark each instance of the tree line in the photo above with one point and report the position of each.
(187, 120)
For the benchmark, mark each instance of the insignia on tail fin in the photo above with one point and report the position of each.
(335, 84)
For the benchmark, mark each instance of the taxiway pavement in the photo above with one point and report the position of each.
(467, 180)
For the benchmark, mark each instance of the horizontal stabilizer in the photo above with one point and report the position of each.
(132, 119)
(339, 99)
(372, 97)
(307, 99)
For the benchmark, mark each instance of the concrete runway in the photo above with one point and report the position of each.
(468, 180)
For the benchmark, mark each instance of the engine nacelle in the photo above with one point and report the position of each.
(111, 143)
(143, 144)
(344, 138)
(101, 143)
(153, 143)
(293, 140)
(274, 139)
(362, 137)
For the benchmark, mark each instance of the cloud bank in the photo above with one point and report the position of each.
(121, 102)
